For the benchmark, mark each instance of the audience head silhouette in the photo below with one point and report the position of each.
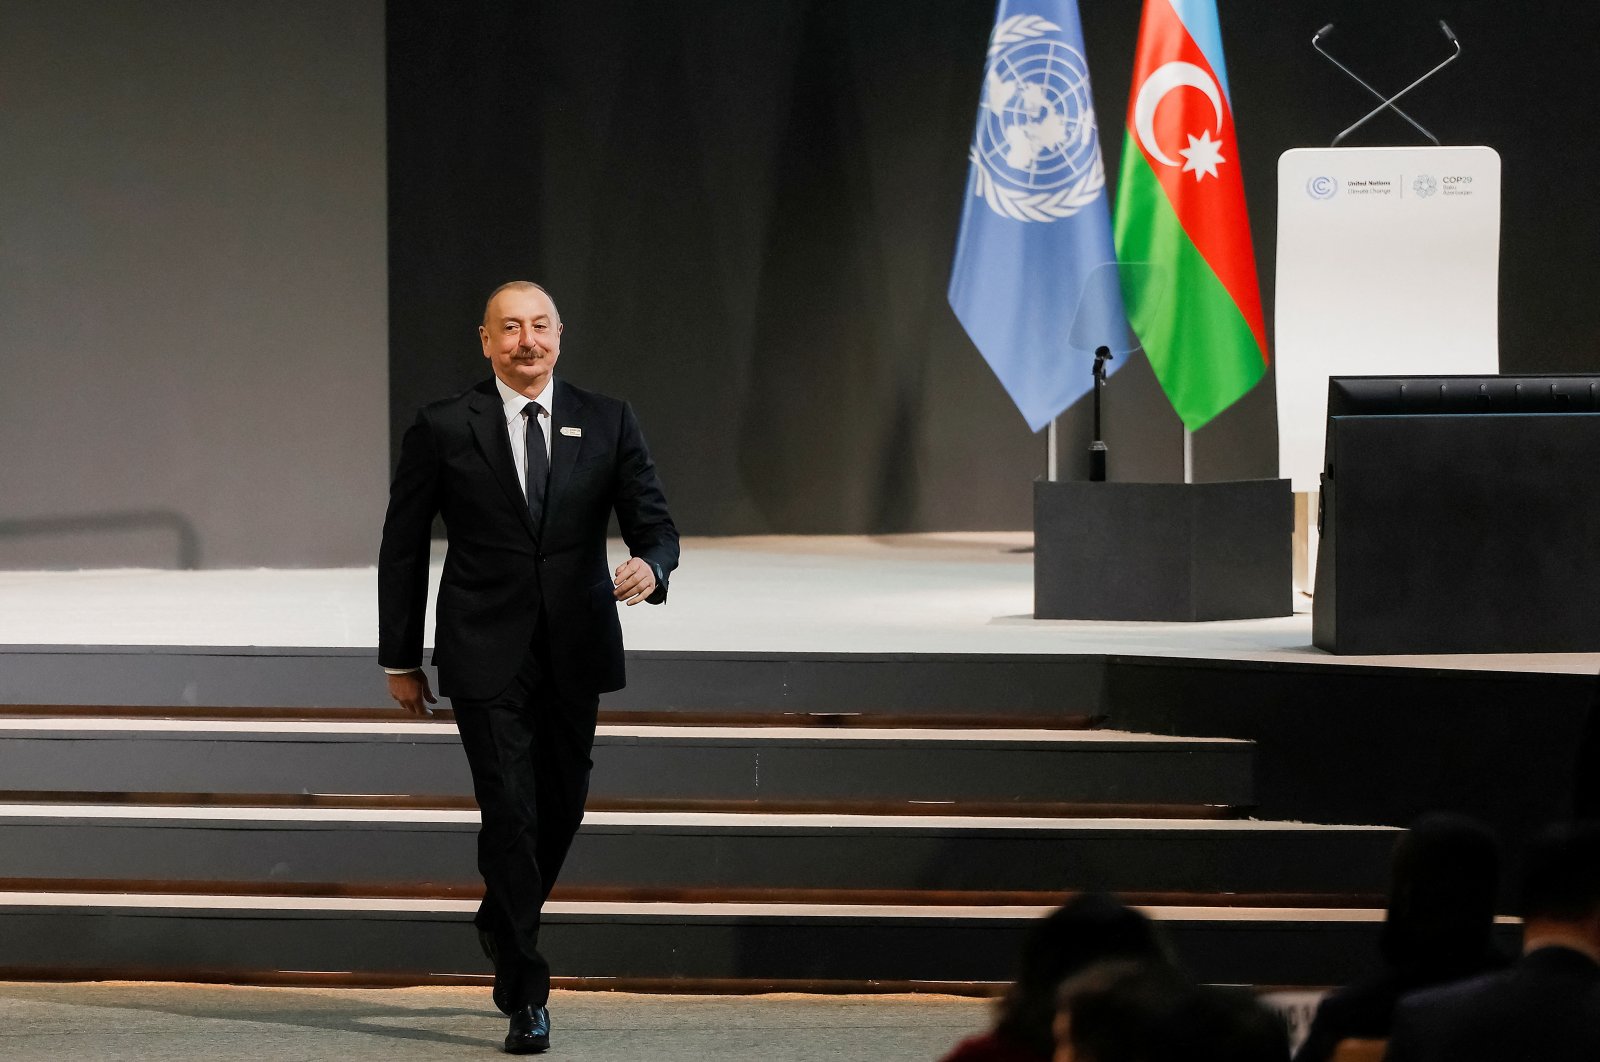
(1561, 883)
(1130, 1013)
(1439, 929)
(1444, 880)
(1086, 930)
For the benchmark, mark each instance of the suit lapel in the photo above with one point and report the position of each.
(488, 420)
(564, 448)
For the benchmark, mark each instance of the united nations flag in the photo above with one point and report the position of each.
(1035, 281)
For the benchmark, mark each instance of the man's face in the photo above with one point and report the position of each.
(521, 337)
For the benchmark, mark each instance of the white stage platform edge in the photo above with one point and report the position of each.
(933, 593)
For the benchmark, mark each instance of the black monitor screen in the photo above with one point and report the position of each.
(1379, 395)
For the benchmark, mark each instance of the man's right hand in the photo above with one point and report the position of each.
(411, 690)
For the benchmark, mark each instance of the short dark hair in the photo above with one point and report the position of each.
(1088, 929)
(1120, 1012)
(1561, 873)
(519, 285)
(1443, 889)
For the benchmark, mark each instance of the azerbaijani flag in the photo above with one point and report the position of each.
(1188, 270)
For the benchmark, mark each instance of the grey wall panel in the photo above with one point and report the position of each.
(193, 315)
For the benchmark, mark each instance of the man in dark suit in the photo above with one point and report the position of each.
(525, 471)
(1546, 1007)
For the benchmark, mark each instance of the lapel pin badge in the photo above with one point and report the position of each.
(574, 432)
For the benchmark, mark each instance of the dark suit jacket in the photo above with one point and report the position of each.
(500, 571)
(1364, 1009)
(1545, 1008)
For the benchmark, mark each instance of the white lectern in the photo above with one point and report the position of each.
(1388, 264)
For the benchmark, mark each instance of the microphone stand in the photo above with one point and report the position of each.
(1097, 449)
(1316, 42)
(1388, 104)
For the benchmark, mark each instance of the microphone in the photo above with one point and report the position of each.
(1316, 42)
(1390, 102)
(1097, 449)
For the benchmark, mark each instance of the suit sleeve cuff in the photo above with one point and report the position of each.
(659, 594)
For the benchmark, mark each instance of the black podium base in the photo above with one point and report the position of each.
(1162, 551)
(1471, 533)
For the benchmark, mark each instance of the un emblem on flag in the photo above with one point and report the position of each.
(1036, 156)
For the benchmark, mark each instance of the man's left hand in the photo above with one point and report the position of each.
(635, 581)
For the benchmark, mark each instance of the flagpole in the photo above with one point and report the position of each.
(1188, 456)
(1050, 452)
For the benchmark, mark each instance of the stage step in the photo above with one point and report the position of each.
(352, 849)
(367, 940)
(277, 677)
(640, 765)
(688, 716)
(809, 820)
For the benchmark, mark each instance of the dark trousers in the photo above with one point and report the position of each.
(528, 750)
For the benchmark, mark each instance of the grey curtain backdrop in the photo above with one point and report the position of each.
(193, 315)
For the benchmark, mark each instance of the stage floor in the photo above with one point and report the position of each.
(934, 593)
(184, 1022)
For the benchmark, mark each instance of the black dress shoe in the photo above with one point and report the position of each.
(530, 1031)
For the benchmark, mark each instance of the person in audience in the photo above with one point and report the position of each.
(1546, 1006)
(1586, 771)
(1118, 1012)
(1442, 890)
(1088, 929)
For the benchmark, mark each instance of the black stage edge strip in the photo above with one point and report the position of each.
(665, 804)
(263, 714)
(703, 986)
(608, 716)
(639, 985)
(1287, 901)
(261, 676)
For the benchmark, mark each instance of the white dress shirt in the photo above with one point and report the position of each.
(513, 403)
(517, 425)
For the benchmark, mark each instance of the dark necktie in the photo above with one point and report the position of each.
(538, 464)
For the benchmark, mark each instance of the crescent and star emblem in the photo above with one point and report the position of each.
(1203, 154)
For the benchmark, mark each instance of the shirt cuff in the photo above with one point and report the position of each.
(402, 670)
